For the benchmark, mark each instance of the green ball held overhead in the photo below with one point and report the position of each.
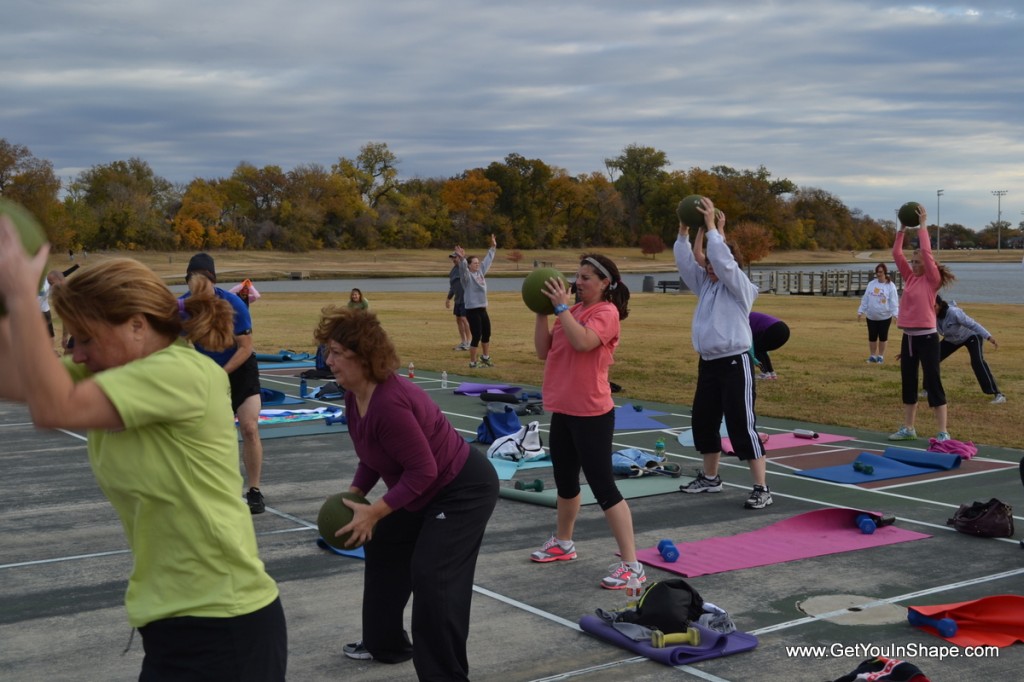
(32, 235)
(688, 213)
(908, 214)
(533, 290)
(334, 515)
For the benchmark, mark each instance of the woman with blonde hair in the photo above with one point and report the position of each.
(163, 447)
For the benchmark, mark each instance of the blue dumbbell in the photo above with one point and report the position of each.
(947, 627)
(866, 524)
(668, 551)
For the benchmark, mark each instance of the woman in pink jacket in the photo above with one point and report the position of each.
(922, 279)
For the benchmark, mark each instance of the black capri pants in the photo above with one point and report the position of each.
(878, 330)
(584, 443)
(922, 352)
(479, 326)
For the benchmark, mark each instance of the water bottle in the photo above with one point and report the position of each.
(412, 370)
(444, 379)
(303, 388)
(659, 447)
(633, 590)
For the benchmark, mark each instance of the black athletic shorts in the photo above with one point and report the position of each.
(245, 381)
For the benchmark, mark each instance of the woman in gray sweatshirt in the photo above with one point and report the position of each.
(725, 376)
(959, 330)
(474, 294)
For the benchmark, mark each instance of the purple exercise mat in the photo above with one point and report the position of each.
(712, 644)
(467, 388)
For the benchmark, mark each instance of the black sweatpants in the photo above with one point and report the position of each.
(725, 388)
(431, 556)
(974, 345)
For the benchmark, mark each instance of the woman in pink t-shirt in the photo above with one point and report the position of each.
(577, 352)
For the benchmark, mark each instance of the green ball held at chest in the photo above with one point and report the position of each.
(32, 234)
(334, 515)
(908, 214)
(533, 290)
(687, 211)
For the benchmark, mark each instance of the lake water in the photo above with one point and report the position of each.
(975, 283)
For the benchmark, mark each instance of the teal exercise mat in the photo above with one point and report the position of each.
(320, 428)
(507, 469)
(630, 488)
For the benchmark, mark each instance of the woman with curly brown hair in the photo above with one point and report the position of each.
(423, 534)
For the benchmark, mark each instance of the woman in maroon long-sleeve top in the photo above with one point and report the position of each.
(423, 534)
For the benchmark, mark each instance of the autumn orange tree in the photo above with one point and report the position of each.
(361, 203)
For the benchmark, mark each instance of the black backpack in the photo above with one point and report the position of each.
(667, 605)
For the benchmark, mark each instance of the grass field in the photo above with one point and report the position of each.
(823, 376)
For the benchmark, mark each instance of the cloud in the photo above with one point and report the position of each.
(874, 102)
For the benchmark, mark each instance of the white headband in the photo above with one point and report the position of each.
(600, 268)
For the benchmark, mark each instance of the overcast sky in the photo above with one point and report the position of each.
(875, 102)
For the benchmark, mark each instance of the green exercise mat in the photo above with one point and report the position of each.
(629, 487)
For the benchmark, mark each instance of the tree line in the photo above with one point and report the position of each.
(360, 203)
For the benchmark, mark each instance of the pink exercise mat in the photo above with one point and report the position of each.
(815, 533)
(781, 441)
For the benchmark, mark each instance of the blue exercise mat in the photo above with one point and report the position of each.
(629, 418)
(924, 458)
(882, 468)
(282, 356)
(356, 553)
(269, 396)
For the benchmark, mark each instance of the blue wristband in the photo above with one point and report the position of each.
(561, 308)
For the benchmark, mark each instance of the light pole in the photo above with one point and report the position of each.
(938, 219)
(999, 194)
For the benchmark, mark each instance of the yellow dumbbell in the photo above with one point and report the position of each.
(660, 640)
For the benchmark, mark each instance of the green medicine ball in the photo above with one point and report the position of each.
(533, 290)
(688, 213)
(32, 235)
(334, 515)
(908, 214)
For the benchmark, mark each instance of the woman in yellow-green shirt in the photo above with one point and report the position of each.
(163, 447)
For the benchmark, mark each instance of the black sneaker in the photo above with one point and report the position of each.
(254, 498)
(703, 484)
(357, 651)
(760, 497)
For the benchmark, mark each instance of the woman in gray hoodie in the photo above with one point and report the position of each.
(725, 376)
(959, 330)
(472, 272)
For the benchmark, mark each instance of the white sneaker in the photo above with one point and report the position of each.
(999, 399)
